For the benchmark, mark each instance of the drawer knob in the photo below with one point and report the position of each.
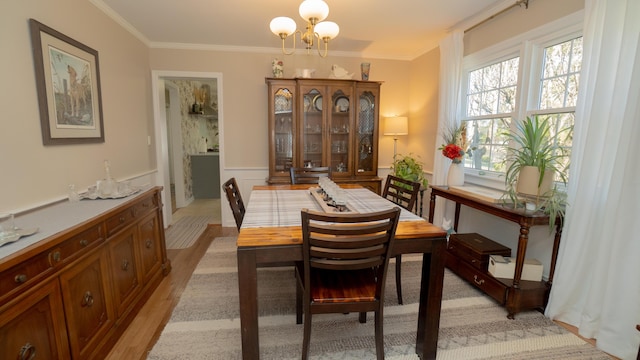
(54, 257)
(84, 242)
(478, 282)
(121, 219)
(148, 243)
(87, 299)
(125, 265)
(27, 352)
(20, 279)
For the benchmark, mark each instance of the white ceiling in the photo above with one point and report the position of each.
(396, 29)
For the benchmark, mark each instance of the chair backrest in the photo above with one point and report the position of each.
(230, 188)
(310, 175)
(349, 241)
(402, 192)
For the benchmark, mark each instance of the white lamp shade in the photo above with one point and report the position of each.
(310, 9)
(396, 125)
(327, 29)
(282, 25)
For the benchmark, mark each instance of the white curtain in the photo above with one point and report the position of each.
(597, 281)
(451, 54)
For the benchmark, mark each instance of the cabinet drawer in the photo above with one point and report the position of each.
(475, 249)
(145, 206)
(126, 217)
(24, 275)
(483, 281)
(76, 246)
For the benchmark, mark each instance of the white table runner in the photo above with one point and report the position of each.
(274, 208)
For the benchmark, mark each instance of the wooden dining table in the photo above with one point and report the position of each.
(271, 234)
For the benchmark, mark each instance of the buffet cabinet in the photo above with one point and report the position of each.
(71, 295)
(324, 122)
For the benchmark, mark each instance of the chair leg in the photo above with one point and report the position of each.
(299, 292)
(307, 335)
(363, 317)
(399, 278)
(379, 335)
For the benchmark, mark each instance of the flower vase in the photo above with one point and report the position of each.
(455, 176)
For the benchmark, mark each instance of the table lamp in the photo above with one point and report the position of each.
(395, 126)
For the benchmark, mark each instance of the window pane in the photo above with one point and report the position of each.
(487, 143)
(553, 93)
(492, 89)
(559, 82)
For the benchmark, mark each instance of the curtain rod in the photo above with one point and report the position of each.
(517, 3)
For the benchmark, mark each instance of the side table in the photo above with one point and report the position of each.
(515, 294)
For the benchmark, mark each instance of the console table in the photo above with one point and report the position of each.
(515, 294)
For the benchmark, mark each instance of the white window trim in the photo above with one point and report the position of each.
(526, 46)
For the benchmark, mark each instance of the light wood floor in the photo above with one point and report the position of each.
(145, 329)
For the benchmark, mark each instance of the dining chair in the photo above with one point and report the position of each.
(232, 191)
(404, 193)
(305, 175)
(344, 268)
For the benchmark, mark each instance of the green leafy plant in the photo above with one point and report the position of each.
(409, 168)
(532, 145)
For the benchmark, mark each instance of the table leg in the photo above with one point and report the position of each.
(248, 289)
(430, 301)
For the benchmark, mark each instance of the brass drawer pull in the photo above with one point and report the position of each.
(84, 242)
(125, 265)
(122, 219)
(54, 257)
(20, 279)
(148, 243)
(478, 282)
(87, 299)
(27, 352)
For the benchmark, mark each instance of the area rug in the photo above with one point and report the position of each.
(205, 324)
(186, 231)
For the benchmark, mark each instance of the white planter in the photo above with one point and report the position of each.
(455, 176)
(528, 181)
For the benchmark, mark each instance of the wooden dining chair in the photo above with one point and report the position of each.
(232, 191)
(304, 175)
(345, 266)
(403, 193)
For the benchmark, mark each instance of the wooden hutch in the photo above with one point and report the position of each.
(324, 122)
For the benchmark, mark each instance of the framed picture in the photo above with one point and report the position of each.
(68, 85)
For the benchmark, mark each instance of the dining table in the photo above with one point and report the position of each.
(271, 235)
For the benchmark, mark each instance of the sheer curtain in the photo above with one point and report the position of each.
(451, 53)
(597, 281)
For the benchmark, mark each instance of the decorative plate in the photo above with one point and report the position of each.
(365, 104)
(317, 102)
(342, 103)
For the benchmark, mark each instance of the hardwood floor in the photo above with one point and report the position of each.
(144, 330)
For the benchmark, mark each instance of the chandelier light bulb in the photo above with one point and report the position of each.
(327, 30)
(282, 25)
(314, 9)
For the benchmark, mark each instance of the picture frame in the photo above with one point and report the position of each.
(68, 88)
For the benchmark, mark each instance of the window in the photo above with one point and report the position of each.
(528, 77)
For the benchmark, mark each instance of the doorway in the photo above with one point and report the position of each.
(182, 133)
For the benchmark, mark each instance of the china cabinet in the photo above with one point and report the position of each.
(324, 122)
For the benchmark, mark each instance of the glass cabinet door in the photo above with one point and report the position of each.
(367, 132)
(283, 129)
(312, 128)
(341, 157)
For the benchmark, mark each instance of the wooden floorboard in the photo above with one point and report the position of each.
(145, 329)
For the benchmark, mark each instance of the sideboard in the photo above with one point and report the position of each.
(70, 291)
(515, 294)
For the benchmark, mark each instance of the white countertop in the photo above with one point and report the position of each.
(59, 217)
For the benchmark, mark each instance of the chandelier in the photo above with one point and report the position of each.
(313, 11)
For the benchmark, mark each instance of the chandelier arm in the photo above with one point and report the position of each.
(326, 46)
(283, 37)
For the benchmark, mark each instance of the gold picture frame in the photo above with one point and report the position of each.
(68, 88)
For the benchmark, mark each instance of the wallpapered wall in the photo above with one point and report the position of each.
(196, 128)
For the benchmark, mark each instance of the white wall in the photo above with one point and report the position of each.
(33, 174)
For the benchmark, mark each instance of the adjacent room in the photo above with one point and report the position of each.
(320, 179)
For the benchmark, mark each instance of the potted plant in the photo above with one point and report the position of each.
(409, 168)
(534, 161)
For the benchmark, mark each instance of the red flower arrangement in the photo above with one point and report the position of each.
(453, 152)
(456, 143)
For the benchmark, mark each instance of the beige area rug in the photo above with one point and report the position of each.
(205, 324)
(186, 231)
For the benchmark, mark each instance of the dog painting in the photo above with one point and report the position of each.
(71, 81)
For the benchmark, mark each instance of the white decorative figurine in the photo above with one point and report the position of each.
(338, 72)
